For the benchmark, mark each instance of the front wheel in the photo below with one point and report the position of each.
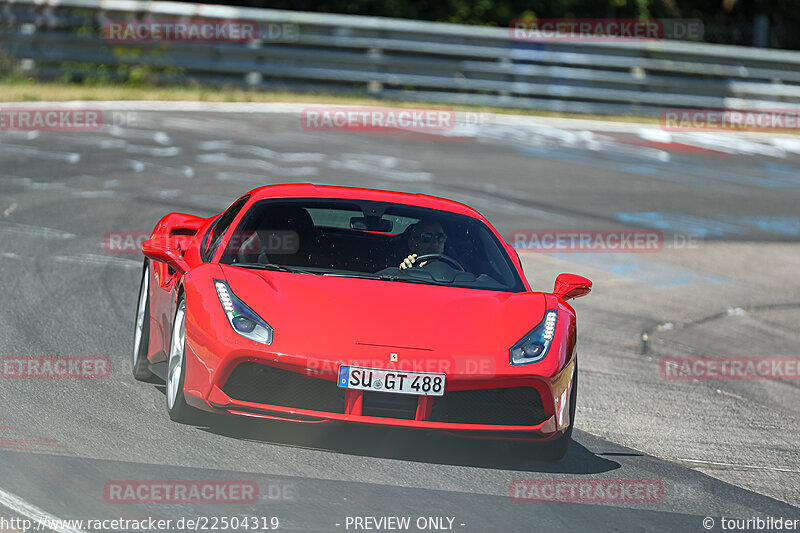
(557, 449)
(554, 450)
(141, 332)
(178, 409)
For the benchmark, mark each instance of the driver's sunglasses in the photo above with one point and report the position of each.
(428, 237)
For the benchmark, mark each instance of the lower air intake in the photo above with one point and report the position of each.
(513, 406)
(253, 382)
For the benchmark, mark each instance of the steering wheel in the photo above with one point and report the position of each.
(445, 258)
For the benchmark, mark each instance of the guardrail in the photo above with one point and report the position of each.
(401, 59)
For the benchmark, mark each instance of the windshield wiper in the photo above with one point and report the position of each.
(380, 277)
(410, 280)
(272, 266)
(358, 275)
(337, 274)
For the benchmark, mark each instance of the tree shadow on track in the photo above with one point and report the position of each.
(406, 445)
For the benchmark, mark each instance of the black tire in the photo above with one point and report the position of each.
(557, 449)
(141, 368)
(180, 411)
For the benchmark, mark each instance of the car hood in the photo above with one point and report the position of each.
(327, 316)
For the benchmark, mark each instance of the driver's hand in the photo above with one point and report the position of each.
(408, 262)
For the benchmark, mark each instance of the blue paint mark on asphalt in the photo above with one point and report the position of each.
(783, 225)
(706, 227)
(789, 172)
(639, 268)
(600, 160)
(731, 176)
(681, 223)
(767, 175)
(624, 269)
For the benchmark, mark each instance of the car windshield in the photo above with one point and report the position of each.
(386, 241)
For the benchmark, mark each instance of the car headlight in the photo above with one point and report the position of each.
(533, 346)
(243, 320)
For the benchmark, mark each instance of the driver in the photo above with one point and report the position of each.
(425, 237)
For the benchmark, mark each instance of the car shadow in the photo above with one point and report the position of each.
(406, 445)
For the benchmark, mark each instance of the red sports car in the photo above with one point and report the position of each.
(333, 304)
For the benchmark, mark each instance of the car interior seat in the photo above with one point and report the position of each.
(278, 220)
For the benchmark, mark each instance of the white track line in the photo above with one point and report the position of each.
(17, 149)
(752, 467)
(35, 231)
(297, 107)
(98, 260)
(20, 506)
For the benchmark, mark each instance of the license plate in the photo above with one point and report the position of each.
(397, 381)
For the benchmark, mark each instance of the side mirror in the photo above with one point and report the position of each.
(569, 286)
(164, 251)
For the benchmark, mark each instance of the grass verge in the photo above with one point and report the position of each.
(62, 92)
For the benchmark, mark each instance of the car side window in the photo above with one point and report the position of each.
(219, 229)
(496, 258)
(207, 239)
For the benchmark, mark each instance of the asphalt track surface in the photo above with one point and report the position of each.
(719, 448)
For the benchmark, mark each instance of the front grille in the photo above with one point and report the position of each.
(389, 405)
(253, 382)
(513, 406)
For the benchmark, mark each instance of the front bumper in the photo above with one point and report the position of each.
(484, 396)
(512, 407)
(219, 400)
